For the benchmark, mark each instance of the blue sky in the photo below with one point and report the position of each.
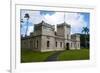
(87, 18)
(77, 20)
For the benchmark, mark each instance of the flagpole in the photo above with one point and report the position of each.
(64, 17)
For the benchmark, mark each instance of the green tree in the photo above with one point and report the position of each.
(85, 31)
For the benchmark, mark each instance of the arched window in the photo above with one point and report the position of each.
(68, 36)
(71, 44)
(78, 45)
(56, 44)
(31, 42)
(60, 44)
(37, 43)
(48, 43)
(24, 42)
(34, 44)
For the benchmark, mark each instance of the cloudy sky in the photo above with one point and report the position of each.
(77, 20)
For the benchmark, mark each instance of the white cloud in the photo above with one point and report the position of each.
(76, 20)
(55, 19)
(30, 29)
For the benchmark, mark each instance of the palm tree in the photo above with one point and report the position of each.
(85, 30)
(21, 25)
(27, 17)
(21, 22)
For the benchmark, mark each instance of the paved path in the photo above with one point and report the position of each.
(54, 56)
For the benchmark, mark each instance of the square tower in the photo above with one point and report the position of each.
(64, 30)
(46, 34)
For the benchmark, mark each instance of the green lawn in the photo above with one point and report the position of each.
(82, 54)
(33, 56)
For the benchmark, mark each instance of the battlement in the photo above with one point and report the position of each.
(63, 24)
(42, 23)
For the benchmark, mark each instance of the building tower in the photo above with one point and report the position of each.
(64, 30)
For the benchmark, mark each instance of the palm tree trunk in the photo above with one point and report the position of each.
(26, 28)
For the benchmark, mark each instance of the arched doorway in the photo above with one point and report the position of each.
(67, 46)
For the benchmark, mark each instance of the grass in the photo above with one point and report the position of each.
(82, 54)
(33, 56)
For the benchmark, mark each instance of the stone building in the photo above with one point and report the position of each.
(45, 38)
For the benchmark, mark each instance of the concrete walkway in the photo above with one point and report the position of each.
(54, 56)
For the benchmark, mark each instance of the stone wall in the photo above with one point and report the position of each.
(75, 38)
